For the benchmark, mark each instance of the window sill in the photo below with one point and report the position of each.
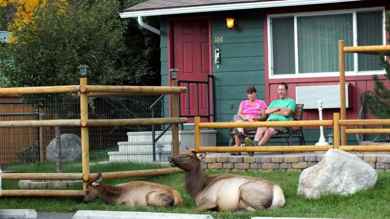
(327, 74)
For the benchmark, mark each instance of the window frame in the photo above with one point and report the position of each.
(295, 16)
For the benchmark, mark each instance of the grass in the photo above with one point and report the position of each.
(367, 204)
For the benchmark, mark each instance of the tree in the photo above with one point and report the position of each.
(49, 50)
(24, 10)
(377, 102)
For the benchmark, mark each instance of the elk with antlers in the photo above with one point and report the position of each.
(227, 192)
(133, 193)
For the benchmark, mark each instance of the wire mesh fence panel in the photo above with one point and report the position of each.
(38, 144)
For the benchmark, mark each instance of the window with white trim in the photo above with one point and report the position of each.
(307, 44)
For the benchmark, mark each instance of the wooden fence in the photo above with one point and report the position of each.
(341, 125)
(336, 123)
(84, 90)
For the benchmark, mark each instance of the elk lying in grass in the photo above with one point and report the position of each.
(227, 192)
(133, 193)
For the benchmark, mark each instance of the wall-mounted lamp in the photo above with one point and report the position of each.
(230, 22)
(83, 69)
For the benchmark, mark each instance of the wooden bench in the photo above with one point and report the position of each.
(289, 135)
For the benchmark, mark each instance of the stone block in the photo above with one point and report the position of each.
(241, 166)
(299, 165)
(294, 159)
(384, 159)
(372, 164)
(211, 159)
(310, 158)
(285, 165)
(269, 166)
(227, 165)
(277, 159)
(263, 159)
(249, 159)
(370, 159)
(223, 159)
(236, 159)
(214, 165)
(293, 170)
(380, 165)
(254, 166)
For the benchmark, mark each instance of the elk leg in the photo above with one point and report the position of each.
(205, 204)
(243, 205)
(256, 195)
(159, 199)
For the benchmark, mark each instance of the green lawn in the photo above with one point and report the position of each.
(368, 204)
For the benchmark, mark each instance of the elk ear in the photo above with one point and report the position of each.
(99, 178)
(95, 179)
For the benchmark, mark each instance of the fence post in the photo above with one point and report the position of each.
(343, 113)
(59, 147)
(84, 127)
(336, 130)
(42, 149)
(175, 113)
(197, 140)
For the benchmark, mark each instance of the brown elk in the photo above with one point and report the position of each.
(227, 192)
(133, 193)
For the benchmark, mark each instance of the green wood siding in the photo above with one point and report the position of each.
(242, 64)
(164, 59)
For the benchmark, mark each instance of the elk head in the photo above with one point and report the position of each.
(186, 162)
(92, 192)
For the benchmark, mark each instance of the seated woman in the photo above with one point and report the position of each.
(249, 110)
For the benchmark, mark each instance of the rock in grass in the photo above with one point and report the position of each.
(338, 173)
(70, 148)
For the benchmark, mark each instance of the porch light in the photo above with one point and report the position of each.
(83, 69)
(230, 22)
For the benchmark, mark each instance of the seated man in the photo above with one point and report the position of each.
(280, 109)
(249, 110)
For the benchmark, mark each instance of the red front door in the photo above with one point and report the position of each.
(191, 59)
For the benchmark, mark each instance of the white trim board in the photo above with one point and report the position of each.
(227, 7)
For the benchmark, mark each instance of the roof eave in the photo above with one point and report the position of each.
(226, 7)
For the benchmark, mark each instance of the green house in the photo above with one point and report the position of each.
(218, 48)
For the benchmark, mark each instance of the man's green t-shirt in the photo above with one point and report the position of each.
(281, 103)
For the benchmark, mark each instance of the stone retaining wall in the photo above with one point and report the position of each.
(284, 162)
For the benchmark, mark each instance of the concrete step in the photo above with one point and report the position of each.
(144, 147)
(147, 136)
(116, 156)
(136, 215)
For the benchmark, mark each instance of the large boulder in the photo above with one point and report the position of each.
(338, 173)
(70, 148)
